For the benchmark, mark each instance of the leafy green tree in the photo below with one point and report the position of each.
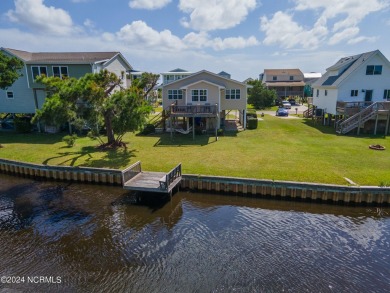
(146, 83)
(96, 100)
(259, 96)
(9, 70)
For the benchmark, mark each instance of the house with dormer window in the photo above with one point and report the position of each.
(355, 89)
(25, 96)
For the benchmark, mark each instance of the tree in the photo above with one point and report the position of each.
(259, 96)
(9, 70)
(146, 82)
(96, 99)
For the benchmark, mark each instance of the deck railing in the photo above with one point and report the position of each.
(170, 177)
(131, 172)
(194, 109)
(351, 108)
(362, 116)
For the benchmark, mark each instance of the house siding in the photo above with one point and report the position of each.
(328, 102)
(118, 66)
(213, 91)
(357, 80)
(23, 101)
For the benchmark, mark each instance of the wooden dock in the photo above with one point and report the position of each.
(158, 182)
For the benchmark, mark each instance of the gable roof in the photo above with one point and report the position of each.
(346, 66)
(63, 57)
(210, 73)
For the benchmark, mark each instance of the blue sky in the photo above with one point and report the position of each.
(242, 37)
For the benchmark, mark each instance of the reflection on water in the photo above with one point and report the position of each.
(96, 239)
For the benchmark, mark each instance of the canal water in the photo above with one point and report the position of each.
(62, 237)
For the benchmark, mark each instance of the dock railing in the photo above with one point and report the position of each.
(170, 177)
(131, 172)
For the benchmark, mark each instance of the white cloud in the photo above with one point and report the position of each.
(148, 4)
(346, 34)
(352, 12)
(139, 34)
(203, 40)
(342, 17)
(39, 17)
(362, 39)
(283, 30)
(206, 15)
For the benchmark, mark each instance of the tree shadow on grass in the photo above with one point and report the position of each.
(116, 158)
(326, 129)
(184, 140)
(30, 138)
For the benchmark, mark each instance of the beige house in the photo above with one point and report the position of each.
(202, 100)
(286, 82)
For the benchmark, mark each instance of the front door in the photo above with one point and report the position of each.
(368, 96)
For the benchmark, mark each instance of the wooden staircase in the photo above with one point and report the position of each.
(361, 117)
(309, 113)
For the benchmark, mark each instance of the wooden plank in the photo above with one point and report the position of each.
(149, 182)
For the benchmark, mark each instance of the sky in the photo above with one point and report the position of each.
(241, 37)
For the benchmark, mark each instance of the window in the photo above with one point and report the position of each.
(38, 70)
(318, 92)
(386, 95)
(374, 70)
(175, 94)
(60, 71)
(274, 77)
(199, 95)
(10, 95)
(326, 92)
(234, 94)
(354, 93)
(291, 77)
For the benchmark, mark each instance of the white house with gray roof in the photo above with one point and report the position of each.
(362, 78)
(26, 96)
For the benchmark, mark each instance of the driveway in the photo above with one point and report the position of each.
(297, 109)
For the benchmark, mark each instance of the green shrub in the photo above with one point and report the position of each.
(149, 129)
(251, 123)
(220, 132)
(69, 139)
(251, 113)
(23, 124)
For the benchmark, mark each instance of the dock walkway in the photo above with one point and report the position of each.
(135, 179)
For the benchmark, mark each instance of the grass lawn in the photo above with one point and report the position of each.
(279, 149)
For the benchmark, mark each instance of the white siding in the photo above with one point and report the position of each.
(328, 102)
(360, 81)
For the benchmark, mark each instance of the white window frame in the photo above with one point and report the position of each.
(39, 71)
(233, 94)
(354, 93)
(8, 95)
(197, 97)
(60, 68)
(175, 94)
(326, 93)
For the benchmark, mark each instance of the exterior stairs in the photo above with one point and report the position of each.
(361, 117)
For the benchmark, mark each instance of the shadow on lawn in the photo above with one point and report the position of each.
(112, 158)
(332, 131)
(31, 138)
(184, 140)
